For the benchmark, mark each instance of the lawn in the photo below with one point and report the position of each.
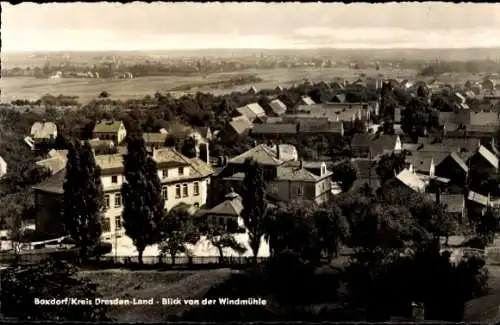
(118, 283)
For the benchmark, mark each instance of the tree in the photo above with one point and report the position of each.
(177, 230)
(332, 229)
(254, 204)
(390, 165)
(346, 174)
(221, 238)
(50, 279)
(487, 225)
(142, 203)
(104, 94)
(83, 198)
(188, 148)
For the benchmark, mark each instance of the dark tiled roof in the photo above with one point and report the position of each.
(365, 167)
(53, 184)
(274, 129)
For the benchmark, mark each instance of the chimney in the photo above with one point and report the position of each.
(277, 151)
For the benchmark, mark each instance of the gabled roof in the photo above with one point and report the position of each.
(334, 127)
(241, 124)
(291, 173)
(107, 126)
(155, 137)
(484, 118)
(43, 130)
(340, 98)
(488, 155)
(230, 207)
(460, 162)
(275, 129)
(53, 184)
(307, 100)
(477, 198)
(261, 154)
(422, 161)
(411, 180)
(278, 107)
(54, 164)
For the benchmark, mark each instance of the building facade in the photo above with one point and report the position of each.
(184, 181)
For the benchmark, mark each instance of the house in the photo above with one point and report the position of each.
(321, 126)
(239, 126)
(306, 100)
(339, 98)
(409, 179)
(251, 111)
(3, 167)
(184, 181)
(227, 213)
(364, 145)
(277, 107)
(110, 130)
(366, 173)
(274, 131)
(54, 164)
(252, 90)
(454, 168)
(154, 139)
(101, 147)
(286, 178)
(483, 160)
(42, 134)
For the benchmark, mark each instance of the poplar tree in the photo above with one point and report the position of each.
(254, 204)
(83, 198)
(143, 208)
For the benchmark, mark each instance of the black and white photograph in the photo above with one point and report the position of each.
(245, 161)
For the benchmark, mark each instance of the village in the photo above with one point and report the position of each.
(439, 162)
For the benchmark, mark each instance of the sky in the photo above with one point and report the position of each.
(176, 26)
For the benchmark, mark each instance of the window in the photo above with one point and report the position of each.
(118, 223)
(118, 200)
(164, 192)
(165, 173)
(181, 171)
(184, 190)
(106, 201)
(300, 190)
(177, 191)
(196, 189)
(105, 225)
(114, 179)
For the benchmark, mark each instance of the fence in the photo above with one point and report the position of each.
(124, 260)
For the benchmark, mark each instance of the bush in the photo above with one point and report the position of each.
(102, 249)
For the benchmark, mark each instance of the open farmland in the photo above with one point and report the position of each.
(87, 89)
(125, 284)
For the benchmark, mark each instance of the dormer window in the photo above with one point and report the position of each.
(165, 173)
(181, 171)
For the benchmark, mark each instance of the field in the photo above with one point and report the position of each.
(87, 89)
(119, 283)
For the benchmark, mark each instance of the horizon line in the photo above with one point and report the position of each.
(264, 49)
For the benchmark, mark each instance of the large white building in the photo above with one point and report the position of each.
(184, 181)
